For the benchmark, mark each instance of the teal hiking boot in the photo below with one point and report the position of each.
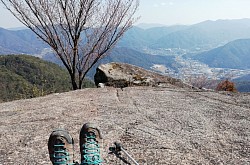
(90, 138)
(61, 149)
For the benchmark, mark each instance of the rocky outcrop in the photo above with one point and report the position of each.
(157, 126)
(125, 75)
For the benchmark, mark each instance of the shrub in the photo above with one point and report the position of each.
(226, 85)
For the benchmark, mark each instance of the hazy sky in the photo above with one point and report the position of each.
(171, 12)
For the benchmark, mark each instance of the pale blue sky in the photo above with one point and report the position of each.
(172, 12)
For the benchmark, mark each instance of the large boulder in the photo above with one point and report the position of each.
(123, 75)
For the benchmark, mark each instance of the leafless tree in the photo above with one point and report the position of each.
(80, 32)
(203, 81)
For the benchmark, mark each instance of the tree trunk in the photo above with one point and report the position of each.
(80, 84)
(73, 82)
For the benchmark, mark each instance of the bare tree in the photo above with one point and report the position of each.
(203, 81)
(80, 32)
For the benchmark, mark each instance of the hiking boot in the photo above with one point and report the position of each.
(90, 138)
(61, 149)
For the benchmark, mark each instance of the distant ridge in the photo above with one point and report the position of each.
(18, 28)
(205, 35)
(19, 42)
(149, 25)
(235, 54)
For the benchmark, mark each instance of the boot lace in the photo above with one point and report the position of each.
(91, 151)
(60, 155)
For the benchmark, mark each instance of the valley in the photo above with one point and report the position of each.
(213, 49)
(190, 68)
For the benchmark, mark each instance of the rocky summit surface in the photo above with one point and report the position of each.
(156, 125)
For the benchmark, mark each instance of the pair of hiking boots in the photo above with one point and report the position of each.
(61, 146)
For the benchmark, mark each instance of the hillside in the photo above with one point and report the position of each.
(243, 83)
(18, 42)
(235, 54)
(156, 125)
(242, 86)
(24, 76)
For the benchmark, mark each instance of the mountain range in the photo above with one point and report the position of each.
(221, 43)
(205, 35)
(235, 55)
(20, 42)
